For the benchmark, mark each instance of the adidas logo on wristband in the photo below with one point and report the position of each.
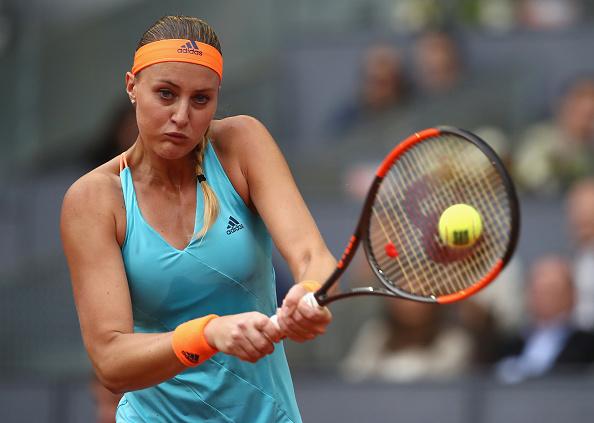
(194, 358)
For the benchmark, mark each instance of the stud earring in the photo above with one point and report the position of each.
(133, 101)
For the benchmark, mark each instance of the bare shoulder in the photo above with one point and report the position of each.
(235, 125)
(239, 132)
(244, 139)
(243, 145)
(94, 197)
(101, 183)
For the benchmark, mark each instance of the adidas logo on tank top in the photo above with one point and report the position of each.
(233, 225)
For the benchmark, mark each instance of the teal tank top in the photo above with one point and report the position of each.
(229, 271)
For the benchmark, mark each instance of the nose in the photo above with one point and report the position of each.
(181, 113)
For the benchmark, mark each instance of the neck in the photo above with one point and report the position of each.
(173, 174)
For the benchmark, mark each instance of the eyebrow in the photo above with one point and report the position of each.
(166, 81)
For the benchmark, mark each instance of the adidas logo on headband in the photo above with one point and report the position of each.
(190, 48)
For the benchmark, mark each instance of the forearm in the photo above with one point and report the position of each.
(298, 321)
(317, 266)
(135, 361)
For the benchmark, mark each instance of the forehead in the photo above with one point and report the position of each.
(182, 74)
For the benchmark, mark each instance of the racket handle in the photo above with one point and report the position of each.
(309, 298)
(274, 320)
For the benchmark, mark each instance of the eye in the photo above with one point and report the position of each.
(166, 94)
(201, 99)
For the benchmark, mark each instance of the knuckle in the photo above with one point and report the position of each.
(235, 335)
(261, 345)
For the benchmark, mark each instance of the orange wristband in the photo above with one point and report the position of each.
(311, 286)
(189, 343)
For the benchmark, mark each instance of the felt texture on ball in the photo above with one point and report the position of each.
(460, 226)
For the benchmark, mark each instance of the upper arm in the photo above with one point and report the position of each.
(88, 228)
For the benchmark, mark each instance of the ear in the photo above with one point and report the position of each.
(131, 86)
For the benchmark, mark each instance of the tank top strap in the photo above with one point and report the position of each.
(123, 161)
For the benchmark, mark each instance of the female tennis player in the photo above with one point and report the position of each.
(169, 249)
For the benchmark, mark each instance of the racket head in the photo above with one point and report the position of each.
(423, 176)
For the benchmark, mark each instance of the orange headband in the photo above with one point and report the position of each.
(178, 51)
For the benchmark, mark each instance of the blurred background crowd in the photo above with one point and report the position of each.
(338, 83)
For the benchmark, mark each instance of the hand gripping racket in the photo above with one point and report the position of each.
(422, 177)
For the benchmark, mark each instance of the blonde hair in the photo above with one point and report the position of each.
(189, 28)
(211, 201)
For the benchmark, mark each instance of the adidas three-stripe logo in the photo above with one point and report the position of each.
(190, 47)
(192, 358)
(233, 225)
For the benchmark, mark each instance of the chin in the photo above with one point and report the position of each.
(174, 152)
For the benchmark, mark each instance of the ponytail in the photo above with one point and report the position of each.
(211, 202)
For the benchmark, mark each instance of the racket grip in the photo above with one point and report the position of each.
(309, 298)
(274, 320)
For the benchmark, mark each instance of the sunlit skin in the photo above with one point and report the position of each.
(175, 105)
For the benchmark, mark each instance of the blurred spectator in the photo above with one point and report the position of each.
(106, 402)
(376, 118)
(445, 91)
(548, 14)
(440, 90)
(557, 151)
(549, 343)
(493, 313)
(438, 60)
(411, 341)
(383, 88)
(580, 217)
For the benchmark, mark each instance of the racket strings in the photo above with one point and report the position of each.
(419, 195)
(429, 177)
(470, 181)
(478, 182)
(413, 261)
(388, 208)
(443, 182)
(483, 186)
(482, 181)
(428, 274)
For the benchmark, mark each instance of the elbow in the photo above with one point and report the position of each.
(111, 381)
(108, 367)
(110, 376)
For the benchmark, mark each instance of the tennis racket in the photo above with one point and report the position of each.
(420, 178)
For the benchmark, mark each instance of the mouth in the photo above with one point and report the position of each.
(176, 136)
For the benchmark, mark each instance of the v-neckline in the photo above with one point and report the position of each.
(196, 217)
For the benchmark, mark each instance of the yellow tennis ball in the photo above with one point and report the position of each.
(460, 225)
